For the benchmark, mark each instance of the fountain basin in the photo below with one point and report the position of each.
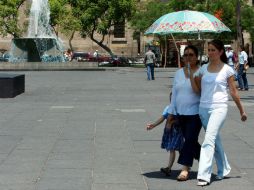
(36, 50)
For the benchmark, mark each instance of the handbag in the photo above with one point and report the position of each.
(246, 67)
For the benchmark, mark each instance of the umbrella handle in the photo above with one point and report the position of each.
(178, 57)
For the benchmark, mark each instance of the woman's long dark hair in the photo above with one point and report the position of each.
(219, 45)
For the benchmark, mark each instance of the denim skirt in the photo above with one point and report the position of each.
(172, 138)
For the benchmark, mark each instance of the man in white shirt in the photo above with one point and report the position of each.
(241, 76)
(96, 55)
(230, 55)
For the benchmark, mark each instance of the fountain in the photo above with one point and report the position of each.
(41, 43)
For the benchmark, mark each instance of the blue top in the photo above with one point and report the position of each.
(165, 112)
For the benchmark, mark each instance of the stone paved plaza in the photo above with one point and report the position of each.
(85, 130)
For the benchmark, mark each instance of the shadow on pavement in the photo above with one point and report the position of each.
(173, 176)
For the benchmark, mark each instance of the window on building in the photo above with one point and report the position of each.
(119, 30)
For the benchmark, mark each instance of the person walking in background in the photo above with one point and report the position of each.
(68, 55)
(172, 139)
(149, 62)
(184, 104)
(230, 60)
(230, 55)
(242, 65)
(213, 79)
(96, 55)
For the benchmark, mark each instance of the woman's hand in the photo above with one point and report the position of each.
(243, 116)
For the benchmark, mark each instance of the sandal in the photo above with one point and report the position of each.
(182, 177)
(166, 171)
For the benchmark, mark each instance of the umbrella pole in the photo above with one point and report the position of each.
(165, 52)
(178, 54)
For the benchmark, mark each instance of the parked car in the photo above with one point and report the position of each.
(82, 56)
(4, 57)
(138, 60)
(115, 62)
(102, 58)
(119, 61)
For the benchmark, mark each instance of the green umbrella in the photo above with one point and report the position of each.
(186, 22)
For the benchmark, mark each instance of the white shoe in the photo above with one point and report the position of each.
(202, 182)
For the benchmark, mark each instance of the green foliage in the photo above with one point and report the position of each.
(98, 16)
(62, 18)
(9, 17)
(178, 5)
(228, 17)
(248, 20)
(57, 11)
(145, 16)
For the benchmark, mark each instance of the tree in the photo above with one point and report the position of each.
(97, 17)
(145, 15)
(9, 17)
(178, 5)
(247, 20)
(62, 19)
(238, 24)
(57, 13)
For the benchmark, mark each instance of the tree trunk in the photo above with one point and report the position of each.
(106, 48)
(139, 46)
(207, 5)
(238, 24)
(70, 39)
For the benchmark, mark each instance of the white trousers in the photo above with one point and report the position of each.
(212, 120)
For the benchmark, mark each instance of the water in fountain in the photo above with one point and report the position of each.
(41, 43)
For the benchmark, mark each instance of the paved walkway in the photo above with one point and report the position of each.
(85, 130)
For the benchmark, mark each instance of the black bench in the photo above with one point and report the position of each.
(11, 85)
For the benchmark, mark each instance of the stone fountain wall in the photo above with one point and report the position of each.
(50, 66)
(41, 43)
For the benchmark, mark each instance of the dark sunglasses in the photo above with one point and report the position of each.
(188, 55)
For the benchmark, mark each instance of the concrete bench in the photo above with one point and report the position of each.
(11, 85)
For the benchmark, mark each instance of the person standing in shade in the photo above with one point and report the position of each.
(241, 76)
(96, 55)
(185, 104)
(213, 80)
(149, 62)
(230, 56)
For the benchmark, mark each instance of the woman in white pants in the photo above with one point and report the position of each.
(213, 79)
